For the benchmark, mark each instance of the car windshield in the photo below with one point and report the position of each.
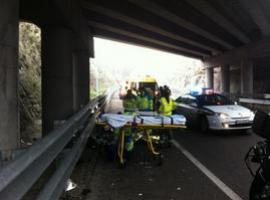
(213, 99)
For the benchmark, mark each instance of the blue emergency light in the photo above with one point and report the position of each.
(194, 93)
(207, 91)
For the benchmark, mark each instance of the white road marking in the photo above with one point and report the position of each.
(222, 186)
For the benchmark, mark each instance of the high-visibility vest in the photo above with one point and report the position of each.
(129, 105)
(165, 107)
(150, 104)
(143, 103)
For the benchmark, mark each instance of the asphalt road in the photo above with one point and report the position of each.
(220, 153)
(177, 178)
(223, 154)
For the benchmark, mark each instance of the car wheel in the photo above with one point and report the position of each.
(204, 125)
(189, 124)
(259, 189)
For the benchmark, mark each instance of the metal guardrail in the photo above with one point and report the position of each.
(255, 101)
(18, 177)
(249, 98)
(252, 101)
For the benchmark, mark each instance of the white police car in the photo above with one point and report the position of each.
(213, 111)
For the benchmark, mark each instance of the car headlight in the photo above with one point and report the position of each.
(251, 116)
(224, 117)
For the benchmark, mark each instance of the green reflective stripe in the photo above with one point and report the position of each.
(143, 103)
(116, 132)
(151, 104)
(128, 131)
(129, 145)
(129, 105)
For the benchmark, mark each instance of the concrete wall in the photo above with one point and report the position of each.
(247, 66)
(225, 79)
(9, 126)
(262, 76)
(66, 47)
(235, 87)
(57, 79)
(63, 80)
(81, 81)
(217, 79)
(209, 73)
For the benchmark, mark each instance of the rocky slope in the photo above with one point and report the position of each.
(29, 80)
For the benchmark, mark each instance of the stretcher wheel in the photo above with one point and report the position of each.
(165, 141)
(122, 165)
(165, 145)
(168, 144)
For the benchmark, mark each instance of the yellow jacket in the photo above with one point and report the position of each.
(165, 107)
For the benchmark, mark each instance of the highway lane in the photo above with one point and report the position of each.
(178, 177)
(223, 154)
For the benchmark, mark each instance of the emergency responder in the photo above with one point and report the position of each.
(145, 103)
(134, 91)
(142, 100)
(166, 107)
(130, 106)
(166, 104)
(150, 96)
(129, 103)
(158, 97)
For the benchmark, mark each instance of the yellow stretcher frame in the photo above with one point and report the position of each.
(144, 128)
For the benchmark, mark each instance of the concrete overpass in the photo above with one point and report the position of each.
(232, 35)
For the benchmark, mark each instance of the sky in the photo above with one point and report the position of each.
(118, 56)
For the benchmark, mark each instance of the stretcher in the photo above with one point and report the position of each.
(142, 122)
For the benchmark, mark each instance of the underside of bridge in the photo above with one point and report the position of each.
(230, 35)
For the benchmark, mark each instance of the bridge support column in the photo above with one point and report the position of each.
(9, 114)
(209, 72)
(57, 79)
(225, 79)
(247, 77)
(81, 77)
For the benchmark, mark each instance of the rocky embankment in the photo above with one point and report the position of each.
(30, 81)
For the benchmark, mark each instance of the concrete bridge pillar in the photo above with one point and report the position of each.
(247, 77)
(225, 79)
(9, 115)
(209, 77)
(81, 78)
(57, 78)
